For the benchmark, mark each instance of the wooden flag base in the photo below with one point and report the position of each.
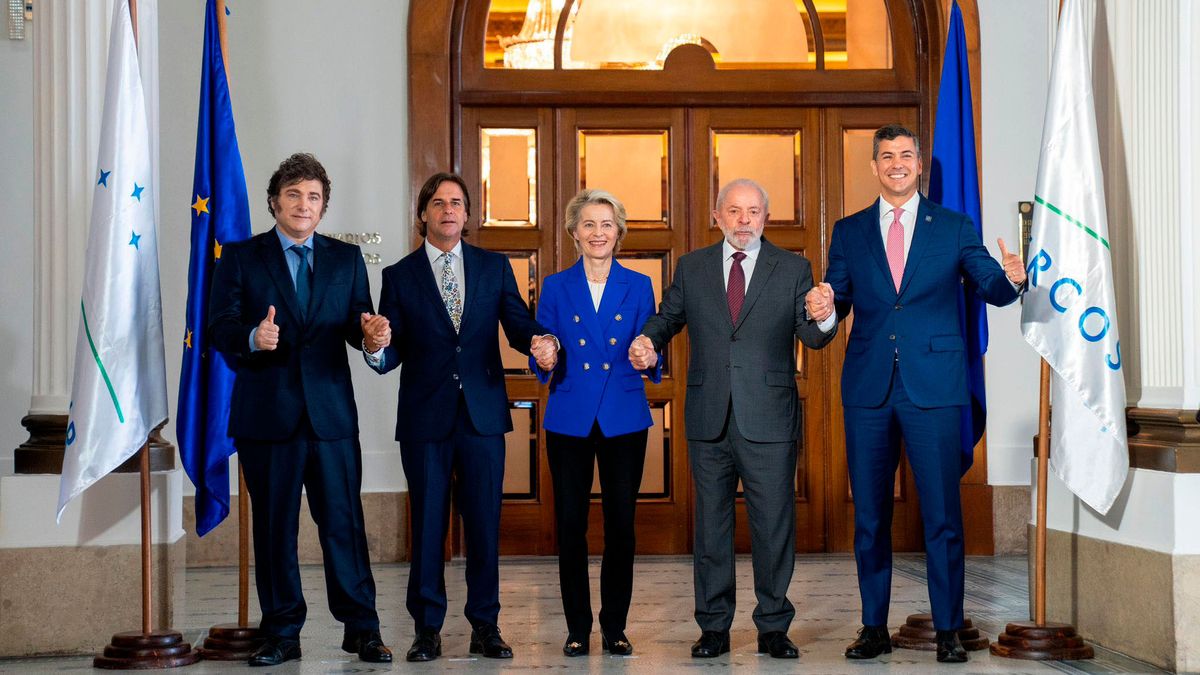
(135, 650)
(230, 642)
(918, 633)
(1047, 642)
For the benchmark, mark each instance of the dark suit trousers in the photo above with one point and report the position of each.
(474, 465)
(768, 475)
(331, 473)
(931, 439)
(620, 460)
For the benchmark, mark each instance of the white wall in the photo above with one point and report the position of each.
(305, 75)
(16, 228)
(1015, 42)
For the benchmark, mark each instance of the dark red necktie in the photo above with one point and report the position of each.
(735, 292)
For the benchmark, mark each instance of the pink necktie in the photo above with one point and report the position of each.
(895, 248)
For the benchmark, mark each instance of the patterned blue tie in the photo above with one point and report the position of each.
(303, 279)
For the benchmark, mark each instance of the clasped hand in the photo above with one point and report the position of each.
(819, 302)
(376, 330)
(544, 349)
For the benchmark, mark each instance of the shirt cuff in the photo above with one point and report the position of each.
(374, 358)
(253, 332)
(828, 324)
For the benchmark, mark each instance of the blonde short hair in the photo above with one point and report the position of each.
(593, 196)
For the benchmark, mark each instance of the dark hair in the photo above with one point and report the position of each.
(891, 132)
(299, 167)
(431, 186)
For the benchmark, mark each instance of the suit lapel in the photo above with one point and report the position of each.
(922, 233)
(579, 294)
(323, 269)
(714, 278)
(271, 254)
(869, 227)
(422, 274)
(614, 294)
(473, 272)
(768, 257)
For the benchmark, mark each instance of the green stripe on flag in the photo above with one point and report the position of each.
(88, 332)
(1069, 219)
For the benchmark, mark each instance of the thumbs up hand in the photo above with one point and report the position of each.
(1014, 267)
(266, 338)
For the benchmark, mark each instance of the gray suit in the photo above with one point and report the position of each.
(743, 418)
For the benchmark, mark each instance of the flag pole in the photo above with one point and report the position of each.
(235, 642)
(134, 650)
(1043, 475)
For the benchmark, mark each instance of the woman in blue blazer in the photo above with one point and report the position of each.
(597, 414)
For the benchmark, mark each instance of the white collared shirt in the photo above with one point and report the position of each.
(751, 251)
(908, 220)
(456, 266)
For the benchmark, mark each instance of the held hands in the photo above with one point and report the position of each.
(266, 338)
(544, 349)
(819, 302)
(641, 353)
(376, 330)
(1014, 268)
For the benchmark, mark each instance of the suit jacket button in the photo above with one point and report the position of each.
(458, 349)
(455, 376)
(612, 341)
(605, 366)
(582, 342)
(587, 366)
(576, 317)
(617, 317)
(897, 306)
(891, 337)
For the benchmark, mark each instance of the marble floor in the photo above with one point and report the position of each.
(661, 626)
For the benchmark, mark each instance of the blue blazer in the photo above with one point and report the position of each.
(308, 373)
(594, 381)
(920, 322)
(439, 363)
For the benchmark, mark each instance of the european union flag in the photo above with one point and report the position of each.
(954, 183)
(220, 214)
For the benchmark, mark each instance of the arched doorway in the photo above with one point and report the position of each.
(664, 131)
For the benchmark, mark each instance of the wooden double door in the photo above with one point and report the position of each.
(666, 165)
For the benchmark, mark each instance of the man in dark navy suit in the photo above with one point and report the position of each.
(284, 306)
(444, 304)
(899, 264)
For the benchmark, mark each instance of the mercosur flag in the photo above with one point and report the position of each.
(1070, 315)
(119, 392)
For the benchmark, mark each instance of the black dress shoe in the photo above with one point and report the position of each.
(777, 644)
(872, 641)
(368, 645)
(949, 647)
(275, 651)
(576, 645)
(486, 640)
(712, 643)
(426, 647)
(617, 645)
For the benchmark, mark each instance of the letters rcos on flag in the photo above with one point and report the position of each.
(119, 391)
(1069, 315)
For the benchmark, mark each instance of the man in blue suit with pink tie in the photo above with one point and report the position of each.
(899, 265)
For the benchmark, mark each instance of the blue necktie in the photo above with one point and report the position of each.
(303, 279)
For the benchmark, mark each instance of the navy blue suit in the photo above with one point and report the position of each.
(905, 377)
(596, 417)
(451, 418)
(294, 421)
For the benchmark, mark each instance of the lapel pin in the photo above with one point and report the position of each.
(929, 219)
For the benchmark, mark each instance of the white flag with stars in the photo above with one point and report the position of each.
(119, 391)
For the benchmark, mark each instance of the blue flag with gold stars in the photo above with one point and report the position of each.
(954, 183)
(220, 214)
